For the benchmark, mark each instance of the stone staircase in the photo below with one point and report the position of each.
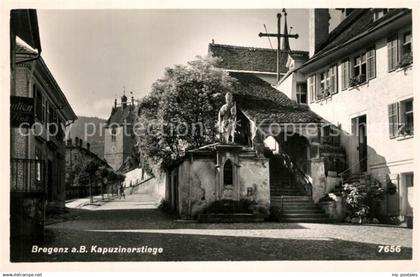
(288, 203)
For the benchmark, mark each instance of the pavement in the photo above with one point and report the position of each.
(133, 229)
(134, 201)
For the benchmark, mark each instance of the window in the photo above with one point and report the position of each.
(301, 93)
(39, 112)
(378, 13)
(327, 83)
(401, 118)
(332, 82)
(406, 45)
(407, 118)
(228, 173)
(363, 68)
(359, 68)
(392, 53)
(345, 74)
(52, 120)
(113, 134)
(311, 86)
(406, 51)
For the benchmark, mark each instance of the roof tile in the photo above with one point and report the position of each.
(248, 58)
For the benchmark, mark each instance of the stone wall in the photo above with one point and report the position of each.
(198, 183)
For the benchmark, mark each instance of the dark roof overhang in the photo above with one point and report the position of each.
(364, 39)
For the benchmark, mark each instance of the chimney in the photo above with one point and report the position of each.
(115, 103)
(318, 29)
(81, 143)
(88, 146)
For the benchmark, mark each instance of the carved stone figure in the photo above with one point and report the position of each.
(227, 120)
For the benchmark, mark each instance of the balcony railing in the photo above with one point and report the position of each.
(27, 175)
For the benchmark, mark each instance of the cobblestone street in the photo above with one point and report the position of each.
(134, 222)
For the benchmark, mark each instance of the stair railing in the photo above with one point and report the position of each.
(342, 173)
(300, 180)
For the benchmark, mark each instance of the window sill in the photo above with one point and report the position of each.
(403, 68)
(324, 99)
(399, 138)
(358, 85)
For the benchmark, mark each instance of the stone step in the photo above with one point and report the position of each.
(279, 194)
(303, 215)
(292, 198)
(229, 218)
(303, 209)
(312, 209)
(285, 192)
(307, 220)
(293, 205)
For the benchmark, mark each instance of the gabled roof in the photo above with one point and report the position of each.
(259, 101)
(24, 23)
(120, 114)
(248, 58)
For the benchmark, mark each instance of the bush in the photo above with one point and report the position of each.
(164, 205)
(363, 200)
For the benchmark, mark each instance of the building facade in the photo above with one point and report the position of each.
(39, 114)
(78, 157)
(360, 78)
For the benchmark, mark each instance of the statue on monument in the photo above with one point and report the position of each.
(227, 120)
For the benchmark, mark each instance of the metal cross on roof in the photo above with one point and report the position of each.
(279, 35)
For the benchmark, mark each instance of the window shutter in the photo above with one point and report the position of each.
(393, 112)
(312, 90)
(344, 75)
(333, 79)
(371, 64)
(392, 54)
(311, 99)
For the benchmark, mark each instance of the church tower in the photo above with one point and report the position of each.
(119, 136)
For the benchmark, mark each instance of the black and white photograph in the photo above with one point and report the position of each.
(210, 135)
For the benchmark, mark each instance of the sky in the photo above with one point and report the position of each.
(94, 54)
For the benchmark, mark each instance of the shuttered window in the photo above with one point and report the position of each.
(393, 112)
(311, 86)
(371, 64)
(39, 112)
(345, 75)
(333, 80)
(392, 53)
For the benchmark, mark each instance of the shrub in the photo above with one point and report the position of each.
(363, 199)
(164, 206)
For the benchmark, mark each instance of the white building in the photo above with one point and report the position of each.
(360, 78)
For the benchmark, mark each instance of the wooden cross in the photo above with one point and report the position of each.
(279, 35)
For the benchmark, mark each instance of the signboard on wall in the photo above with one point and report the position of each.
(21, 111)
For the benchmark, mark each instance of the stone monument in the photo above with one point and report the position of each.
(227, 120)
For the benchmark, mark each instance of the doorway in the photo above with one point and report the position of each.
(362, 142)
(174, 199)
(359, 134)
